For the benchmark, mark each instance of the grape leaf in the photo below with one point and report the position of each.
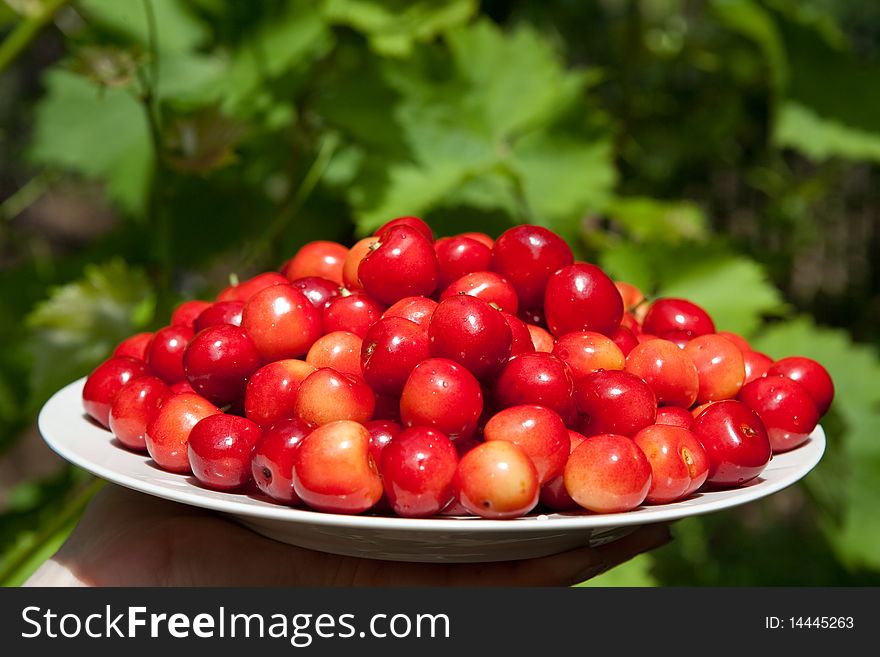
(648, 219)
(393, 27)
(820, 138)
(178, 30)
(854, 368)
(81, 322)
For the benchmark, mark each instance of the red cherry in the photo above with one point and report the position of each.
(317, 290)
(527, 256)
(186, 313)
(415, 309)
(272, 462)
(244, 291)
(756, 365)
(217, 314)
(741, 343)
(471, 332)
(625, 339)
(541, 339)
(169, 428)
(406, 222)
(181, 386)
(811, 375)
(327, 395)
(220, 449)
(720, 367)
(165, 353)
(669, 371)
(458, 256)
(785, 407)
(586, 352)
(679, 463)
(382, 432)
(482, 238)
(667, 315)
(134, 346)
(219, 361)
(105, 382)
(401, 264)
(352, 263)
(322, 259)
(632, 296)
(418, 468)
(581, 297)
(134, 405)
(608, 473)
(282, 322)
(497, 480)
(271, 392)
(488, 286)
(333, 470)
(553, 493)
(611, 401)
(538, 431)
(521, 337)
(340, 350)
(675, 416)
(354, 313)
(442, 394)
(735, 441)
(535, 378)
(391, 349)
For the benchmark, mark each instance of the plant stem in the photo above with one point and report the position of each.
(26, 30)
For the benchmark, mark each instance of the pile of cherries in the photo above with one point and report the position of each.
(459, 376)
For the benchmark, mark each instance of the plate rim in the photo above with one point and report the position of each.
(195, 496)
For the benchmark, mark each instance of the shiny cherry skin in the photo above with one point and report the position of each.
(418, 468)
(535, 378)
(497, 480)
(415, 223)
(527, 256)
(741, 343)
(611, 401)
(354, 313)
(272, 462)
(811, 375)
(219, 361)
(521, 337)
(321, 259)
(608, 473)
(538, 431)
(391, 349)
(245, 290)
(553, 493)
(756, 365)
(169, 428)
(333, 470)
(632, 296)
(186, 313)
(282, 322)
(625, 339)
(415, 309)
(679, 463)
(401, 264)
(488, 286)
(352, 263)
(735, 441)
(271, 392)
(219, 313)
(220, 448)
(317, 290)
(581, 297)
(541, 339)
(669, 371)
(586, 352)
(382, 432)
(720, 367)
(134, 405)
(670, 314)
(443, 395)
(675, 416)
(165, 353)
(458, 256)
(328, 395)
(340, 350)
(181, 386)
(786, 408)
(105, 382)
(134, 346)
(471, 332)
(482, 238)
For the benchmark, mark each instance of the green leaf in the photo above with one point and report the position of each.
(178, 30)
(753, 21)
(648, 219)
(854, 369)
(98, 133)
(81, 322)
(394, 27)
(732, 288)
(820, 139)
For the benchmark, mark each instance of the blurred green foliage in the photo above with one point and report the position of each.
(694, 149)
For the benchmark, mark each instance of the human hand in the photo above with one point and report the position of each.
(131, 539)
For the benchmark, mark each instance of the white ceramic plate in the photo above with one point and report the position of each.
(67, 431)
